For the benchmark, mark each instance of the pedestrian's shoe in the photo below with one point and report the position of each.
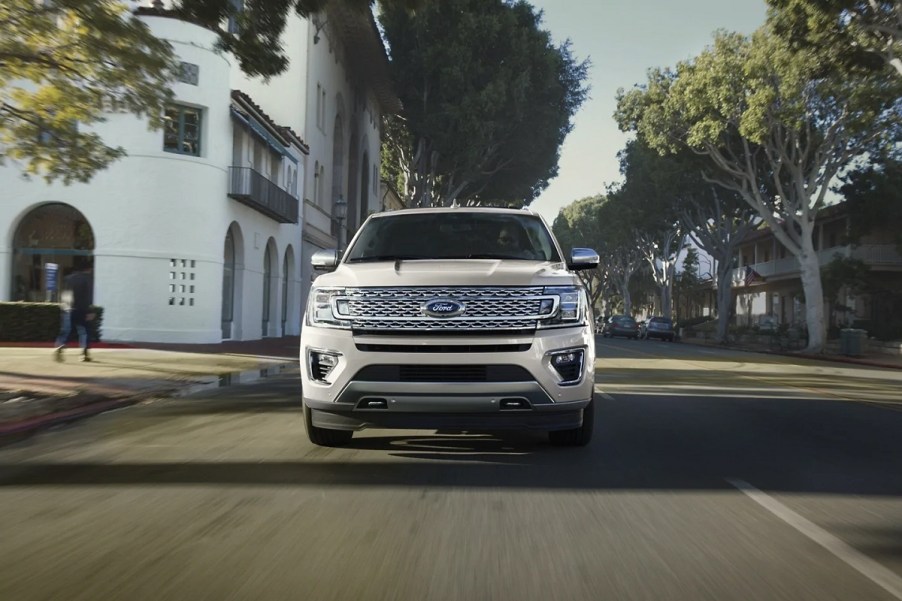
(58, 354)
(85, 356)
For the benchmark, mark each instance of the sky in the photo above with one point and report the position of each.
(623, 39)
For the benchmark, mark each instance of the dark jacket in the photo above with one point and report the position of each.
(81, 286)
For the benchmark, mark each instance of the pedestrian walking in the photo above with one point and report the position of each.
(76, 298)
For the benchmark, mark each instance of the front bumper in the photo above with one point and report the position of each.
(539, 401)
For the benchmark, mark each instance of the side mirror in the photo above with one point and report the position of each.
(582, 258)
(325, 260)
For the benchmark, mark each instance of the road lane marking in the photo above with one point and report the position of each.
(867, 567)
(604, 395)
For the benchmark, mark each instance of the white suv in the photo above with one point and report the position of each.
(453, 318)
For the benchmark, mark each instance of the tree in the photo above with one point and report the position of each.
(843, 273)
(64, 65)
(577, 226)
(650, 180)
(757, 106)
(251, 30)
(874, 196)
(860, 29)
(488, 100)
(605, 224)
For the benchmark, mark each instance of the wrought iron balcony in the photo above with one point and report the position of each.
(253, 189)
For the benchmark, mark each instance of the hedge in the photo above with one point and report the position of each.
(39, 322)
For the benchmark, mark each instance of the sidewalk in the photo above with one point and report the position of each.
(37, 392)
(871, 359)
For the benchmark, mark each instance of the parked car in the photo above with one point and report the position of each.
(658, 327)
(620, 325)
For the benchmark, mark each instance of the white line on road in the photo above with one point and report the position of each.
(870, 569)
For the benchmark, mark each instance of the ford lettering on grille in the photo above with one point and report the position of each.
(442, 307)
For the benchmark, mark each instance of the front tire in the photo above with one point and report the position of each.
(325, 437)
(577, 437)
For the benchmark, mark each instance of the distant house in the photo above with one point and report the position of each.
(767, 283)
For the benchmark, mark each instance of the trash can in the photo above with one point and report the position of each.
(857, 341)
(844, 337)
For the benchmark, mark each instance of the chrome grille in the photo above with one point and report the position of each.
(489, 308)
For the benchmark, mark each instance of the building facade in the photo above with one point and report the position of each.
(768, 287)
(197, 235)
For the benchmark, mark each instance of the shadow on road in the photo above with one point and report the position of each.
(642, 443)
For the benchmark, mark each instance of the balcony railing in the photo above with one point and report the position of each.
(251, 188)
(871, 254)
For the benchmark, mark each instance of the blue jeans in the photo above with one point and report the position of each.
(76, 318)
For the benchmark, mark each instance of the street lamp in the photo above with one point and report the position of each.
(341, 213)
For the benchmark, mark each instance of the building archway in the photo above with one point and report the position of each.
(288, 291)
(232, 272)
(50, 234)
(270, 264)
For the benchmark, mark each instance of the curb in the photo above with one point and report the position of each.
(11, 432)
(19, 429)
(828, 358)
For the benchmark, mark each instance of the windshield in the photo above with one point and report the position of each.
(464, 235)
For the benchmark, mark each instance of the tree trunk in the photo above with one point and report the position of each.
(625, 293)
(810, 269)
(724, 299)
(666, 299)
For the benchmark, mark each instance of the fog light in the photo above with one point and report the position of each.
(321, 364)
(566, 358)
(343, 306)
(568, 365)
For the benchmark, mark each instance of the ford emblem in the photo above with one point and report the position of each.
(443, 307)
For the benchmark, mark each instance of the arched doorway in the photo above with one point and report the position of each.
(270, 259)
(287, 287)
(228, 285)
(53, 234)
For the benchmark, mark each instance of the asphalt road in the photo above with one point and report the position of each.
(712, 476)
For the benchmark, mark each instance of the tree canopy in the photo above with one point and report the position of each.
(779, 123)
(63, 66)
(863, 32)
(488, 100)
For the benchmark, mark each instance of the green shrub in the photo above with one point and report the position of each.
(39, 322)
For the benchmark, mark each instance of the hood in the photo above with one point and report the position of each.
(468, 272)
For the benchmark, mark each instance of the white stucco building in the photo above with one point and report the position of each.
(197, 235)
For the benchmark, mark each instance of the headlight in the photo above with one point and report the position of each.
(323, 308)
(572, 307)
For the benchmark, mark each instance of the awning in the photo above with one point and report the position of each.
(263, 134)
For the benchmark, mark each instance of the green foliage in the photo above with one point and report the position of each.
(39, 322)
(859, 33)
(256, 41)
(488, 100)
(63, 66)
(874, 197)
(844, 272)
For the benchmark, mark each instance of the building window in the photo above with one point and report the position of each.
(182, 130)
